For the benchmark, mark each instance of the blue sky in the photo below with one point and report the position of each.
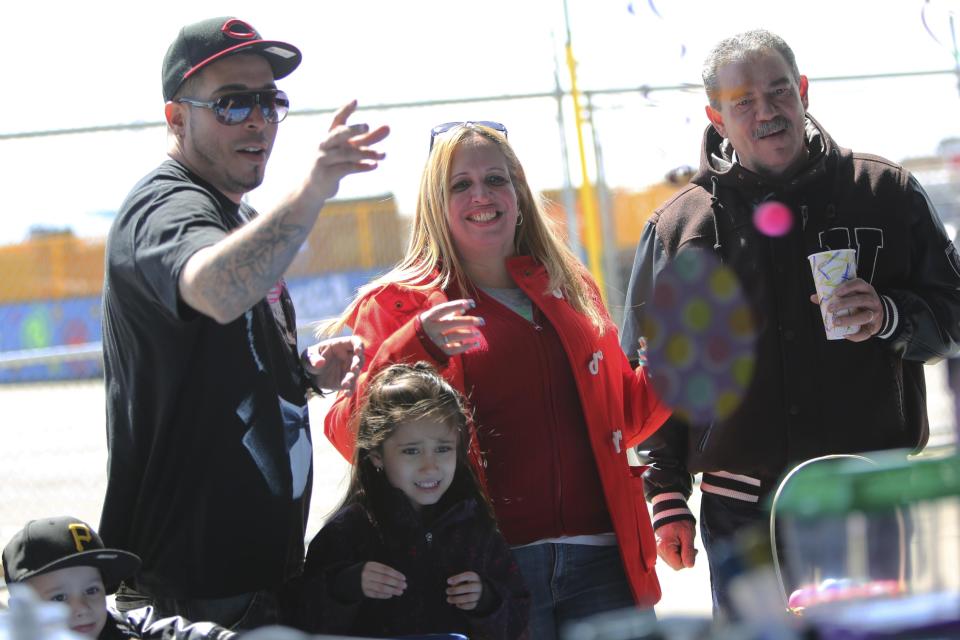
(98, 63)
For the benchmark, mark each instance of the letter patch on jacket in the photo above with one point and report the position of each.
(869, 242)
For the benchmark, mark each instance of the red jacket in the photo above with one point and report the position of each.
(619, 406)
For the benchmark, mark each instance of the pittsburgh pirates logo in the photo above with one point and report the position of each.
(81, 535)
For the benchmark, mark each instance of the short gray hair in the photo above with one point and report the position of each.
(738, 47)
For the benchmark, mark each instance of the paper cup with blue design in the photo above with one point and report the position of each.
(830, 270)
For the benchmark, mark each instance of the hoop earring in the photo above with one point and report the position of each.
(519, 217)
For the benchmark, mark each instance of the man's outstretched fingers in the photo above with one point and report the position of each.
(342, 114)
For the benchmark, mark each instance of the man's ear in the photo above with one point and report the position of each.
(174, 114)
(804, 87)
(716, 120)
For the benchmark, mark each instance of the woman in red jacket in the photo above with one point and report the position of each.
(489, 294)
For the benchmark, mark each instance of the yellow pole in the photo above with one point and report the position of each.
(588, 201)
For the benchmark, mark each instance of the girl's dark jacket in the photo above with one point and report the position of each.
(809, 396)
(427, 548)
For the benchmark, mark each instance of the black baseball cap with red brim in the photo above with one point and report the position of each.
(202, 43)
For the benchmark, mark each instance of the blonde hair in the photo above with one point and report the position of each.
(431, 260)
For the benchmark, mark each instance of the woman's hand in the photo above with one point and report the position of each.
(465, 590)
(381, 582)
(450, 329)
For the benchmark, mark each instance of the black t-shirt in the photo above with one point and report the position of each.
(210, 465)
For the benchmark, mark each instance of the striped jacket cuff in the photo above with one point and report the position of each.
(670, 507)
(891, 318)
(731, 485)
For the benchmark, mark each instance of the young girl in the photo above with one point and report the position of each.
(414, 548)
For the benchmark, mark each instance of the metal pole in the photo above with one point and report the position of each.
(569, 203)
(956, 54)
(610, 254)
(587, 196)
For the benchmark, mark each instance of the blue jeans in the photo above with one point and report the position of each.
(721, 519)
(569, 582)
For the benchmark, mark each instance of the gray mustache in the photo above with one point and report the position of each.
(776, 125)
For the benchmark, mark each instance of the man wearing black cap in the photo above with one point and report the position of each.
(63, 560)
(210, 463)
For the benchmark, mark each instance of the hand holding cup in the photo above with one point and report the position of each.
(830, 270)
(855, 304)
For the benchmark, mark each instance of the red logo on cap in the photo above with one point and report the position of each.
(238, 29)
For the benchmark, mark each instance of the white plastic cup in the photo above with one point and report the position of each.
(830, 270)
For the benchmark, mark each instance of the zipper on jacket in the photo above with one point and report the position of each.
(898, 378)
(429, 538)
(558, 504)
(703, 439)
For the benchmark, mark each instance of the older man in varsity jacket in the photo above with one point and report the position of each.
(810, 396)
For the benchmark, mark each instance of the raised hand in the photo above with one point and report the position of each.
(347, 149)
(448, 326)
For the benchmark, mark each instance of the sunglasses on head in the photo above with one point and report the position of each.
(235, 108)
(446, 126)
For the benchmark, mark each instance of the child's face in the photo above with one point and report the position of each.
(419, 458)
(81, 589)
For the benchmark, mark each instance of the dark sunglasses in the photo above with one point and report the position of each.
(446, 126)
(235, 108)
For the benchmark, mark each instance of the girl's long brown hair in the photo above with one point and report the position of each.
(399, 394)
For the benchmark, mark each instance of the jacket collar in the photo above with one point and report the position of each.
(523, 268)
(397, 514)
(716, 161)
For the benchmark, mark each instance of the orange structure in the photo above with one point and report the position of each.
(351, 235)
(629, 212)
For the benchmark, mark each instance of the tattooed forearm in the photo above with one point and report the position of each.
(249, 263)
